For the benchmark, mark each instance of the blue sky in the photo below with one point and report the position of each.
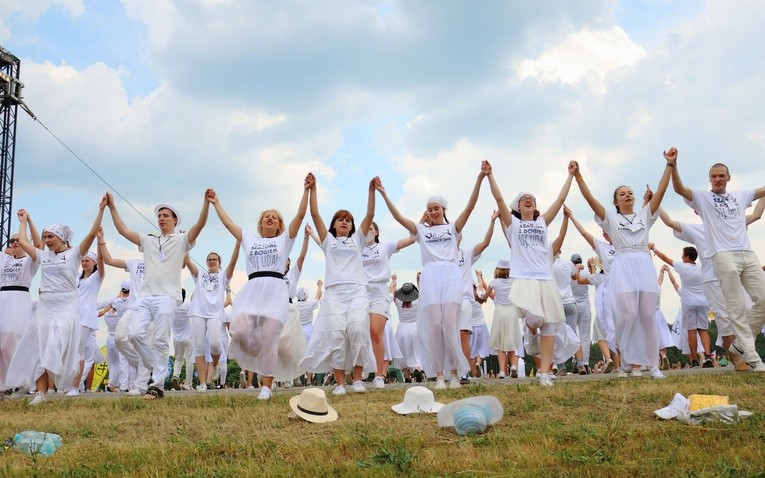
(166, 98)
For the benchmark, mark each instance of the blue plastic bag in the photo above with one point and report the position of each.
(31, 442)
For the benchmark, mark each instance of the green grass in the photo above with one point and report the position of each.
(590, 428)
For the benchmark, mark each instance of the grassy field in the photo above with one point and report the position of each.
(577, 428)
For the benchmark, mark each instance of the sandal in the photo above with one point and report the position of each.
(153, 393)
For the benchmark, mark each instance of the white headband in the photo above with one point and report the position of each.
(440, 200)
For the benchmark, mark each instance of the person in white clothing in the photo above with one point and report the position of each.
(633, 287)
(305, 308)
(119, 368)
(260, 309)
(442, 285)
(206, 311)
(735, 263)
(48, 351)
(341, 340)
(16, 271)
(533, 288)
(505, 335)
(406, 333)
(376, 259)
(183, 346)
(163, 257)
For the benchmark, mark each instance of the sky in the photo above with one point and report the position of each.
(164, 99)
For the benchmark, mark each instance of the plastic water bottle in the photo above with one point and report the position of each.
(31, 442)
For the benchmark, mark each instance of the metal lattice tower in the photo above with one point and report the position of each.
(10, 97)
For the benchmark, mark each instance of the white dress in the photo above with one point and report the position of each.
(15, 306)
(406, 335)
(505, 333)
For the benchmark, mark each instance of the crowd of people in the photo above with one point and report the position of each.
(541, 299)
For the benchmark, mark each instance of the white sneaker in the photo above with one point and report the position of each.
(454, 382)
(265, 393)
(656, 374)
(545, 380)
(379, 382)
(287, 384)
(73, 393)
(216, 373)
(623, 374)
(358, 387)
(39, 398)
(339, 390)
(501, 375)
(202, 387)
(758, 367)
(440, 384)
(134, 392)
(637, 373)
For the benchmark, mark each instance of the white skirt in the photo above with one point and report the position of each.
(566, 343)
(479, 342)
(49, 344)
(340, 339)
(604, 314)
(15, 318)
(440, 283)
(292, 347)
(406, 337)
(392, 350)
(539, 297)
(505, 328)
(665, 336)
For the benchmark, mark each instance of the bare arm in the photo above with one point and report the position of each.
(552, 211)
(757, 213)
(367, 221)
(660, 254)
(404, 243)
(108, 259)
(674, 225)
(408, 224)
(313, 234)
(197, 227)
(99, 255)
(582, 231)
(190, 264)
(303, 248)
(28, 247)
(119, 224)
(481, 282)
(313, 201)
(677, 183)
(34, 235)
(87, 241)
(671, 277)
(392, 286)
(472, 200)
(225, 219)
(319, 291)
(558, 242)
(232, 263)
(671, 157)
(506, 217)
(595, 205)
(294, 226)
(481, 246)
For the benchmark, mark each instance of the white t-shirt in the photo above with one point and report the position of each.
(465, 261)
(58, 272)
(501, 288)
(163, 259)
(87, 292)
(477, 319)
(691, 278)
(182, 324)
(408, 314)
(562, 271)
(118, 307)
(16, 272)
(606, 252)
(695, 234)
(343, 260)
(724, 216)
(628, 232)
(291, 278)
(305, 310)
(438, 243)
(266, 254)
(376, 260)
(209, 294)
(137, 270)
(581, 291)
(530, 256)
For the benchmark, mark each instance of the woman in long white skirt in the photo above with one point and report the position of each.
(49, 348)
(505, 336)
(441, 285)
(406, 332)
(16, 272)
(632, 281)
(260, 309)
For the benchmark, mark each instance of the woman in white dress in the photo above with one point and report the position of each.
(533, 287)
(406, 333)
(260, 309)
(340, 340)
(206, 311)
(505, 336)
(441, 286)
(16, 272)
(632, 281)
(376, 259)
(50, 345)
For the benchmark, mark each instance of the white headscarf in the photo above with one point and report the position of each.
(92, 256)
(438, 200)
(62, 231)
(515, 206)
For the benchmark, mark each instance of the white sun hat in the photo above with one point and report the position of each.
(417, 399)
(471, 415)
(312, 406)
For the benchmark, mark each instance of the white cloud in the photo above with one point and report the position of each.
(26, 11)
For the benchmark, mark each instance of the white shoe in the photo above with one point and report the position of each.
(287, 384)
(202, 387)
(440, 384)
(637, 373)
(501, 375)
(454, 382)
(134, 392)
(758, 366)
(73, 393)
(358, 387)
(216, 373)
(623, 374)
(379, 382)
(265, 393)
(545, 380)
(39, 398)
(339, 390)
(656, 374)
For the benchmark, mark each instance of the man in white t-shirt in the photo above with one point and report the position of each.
(734, 260)
(161, 292)
(583, 324)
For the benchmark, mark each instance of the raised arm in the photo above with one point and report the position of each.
(309, 230)
(119, 224)
(34, 235)
(313, 201)
(294, 226)
(28, 247)
(506, 217)
(319, 291)
(403, 243)
(595, 205)
(191, 266)
(671, 157)
(303, 248)
(370, 215)
(582, 231)
(757, 212)
(558, 242)
(87, 241)
(552, 211)
(669, 222)
(481, 246)
(392, 286)
(671, 277)
(481, 282)
(232, 263)
(197, 227)
(225, 219)
(677, 183)
(408, 224)
(99, 255)
(472, 200)
(104, 251)
(660, 254)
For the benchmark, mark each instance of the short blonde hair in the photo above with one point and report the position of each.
(280, 227)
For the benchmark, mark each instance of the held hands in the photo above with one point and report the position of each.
(308, 230)
(100, 234)
(494, 215)
(22, 215)
(485, 168)
(104, 202)
(566, 212)
(377, 184)
(652, 247)
(373, 183)
(573, 168)
(664, 268)
(211, 196)
(671, 156)
(310, 181)
(648, 194)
